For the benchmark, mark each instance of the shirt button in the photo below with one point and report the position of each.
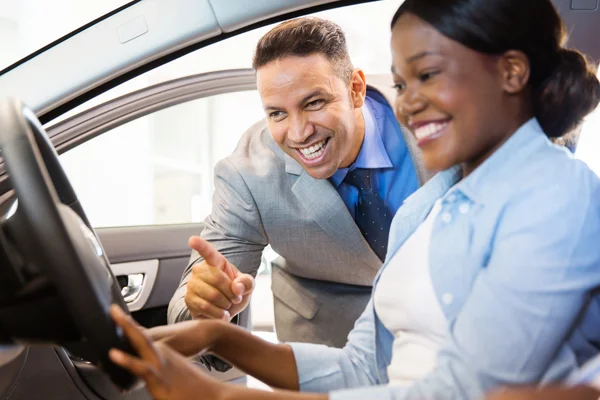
(464, 208)
(447, 298)
(446, 217)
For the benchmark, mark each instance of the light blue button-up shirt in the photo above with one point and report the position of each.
(393, 178)
(588, 375)
(514, 257)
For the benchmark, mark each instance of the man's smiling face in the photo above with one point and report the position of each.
(313, 114)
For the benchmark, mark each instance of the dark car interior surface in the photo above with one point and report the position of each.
(56, 280)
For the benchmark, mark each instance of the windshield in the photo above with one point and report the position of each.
(28, 25)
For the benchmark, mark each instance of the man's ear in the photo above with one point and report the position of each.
(358, 88)
(516, 70)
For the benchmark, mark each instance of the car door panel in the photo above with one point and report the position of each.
(129, 248)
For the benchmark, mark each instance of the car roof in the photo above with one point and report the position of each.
(145, 34)
(136, 38)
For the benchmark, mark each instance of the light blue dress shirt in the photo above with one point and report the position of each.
(514, 256)
(588, 375)
(394, 177)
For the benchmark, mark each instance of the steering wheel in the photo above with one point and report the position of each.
(57, 266)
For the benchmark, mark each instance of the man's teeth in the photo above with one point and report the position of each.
(315, 150)
(429, 129)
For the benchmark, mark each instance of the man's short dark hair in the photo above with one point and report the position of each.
(303, 37)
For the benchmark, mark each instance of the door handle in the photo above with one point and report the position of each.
(133, 287)
(136, 280)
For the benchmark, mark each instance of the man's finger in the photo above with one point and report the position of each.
(212, 294)
(136, 336)
(201, 308)
(208, 252)
(243, 285)
(214, 277)
(231, 270)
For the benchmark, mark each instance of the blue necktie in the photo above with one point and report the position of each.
(372, 216)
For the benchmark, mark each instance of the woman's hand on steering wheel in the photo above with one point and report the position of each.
(168, 374)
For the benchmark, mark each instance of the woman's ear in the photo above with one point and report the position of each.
(515, 71)
(358, 88)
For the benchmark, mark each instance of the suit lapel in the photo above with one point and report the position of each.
(328, 210)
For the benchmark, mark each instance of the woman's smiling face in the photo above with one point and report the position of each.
(460, 104)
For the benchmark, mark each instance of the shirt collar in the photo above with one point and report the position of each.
(504, 164)
(372, 152)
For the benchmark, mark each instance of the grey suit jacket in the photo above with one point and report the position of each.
(322, 281)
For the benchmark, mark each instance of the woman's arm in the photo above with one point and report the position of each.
(273, 364)
(297, 366)
(169, 375)
(243, 393)
(548, 393)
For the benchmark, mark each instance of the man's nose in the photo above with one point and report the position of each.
(300, 129)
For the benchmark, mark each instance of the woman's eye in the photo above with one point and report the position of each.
(399, 87)
(425, 76)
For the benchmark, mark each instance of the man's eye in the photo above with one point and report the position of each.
(276, 115)
(315, 104)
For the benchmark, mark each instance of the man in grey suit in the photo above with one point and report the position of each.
(319, 180)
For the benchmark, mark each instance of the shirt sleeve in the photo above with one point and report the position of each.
(234, 228)
(322, 368)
